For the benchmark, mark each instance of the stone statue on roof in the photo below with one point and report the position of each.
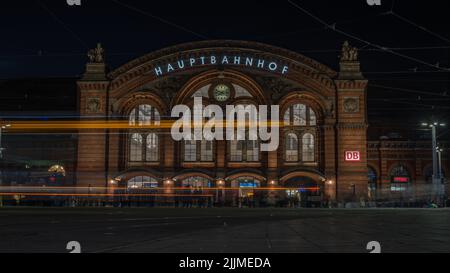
(349, 53)
(96, 55)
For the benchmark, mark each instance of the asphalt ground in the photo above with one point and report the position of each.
(223, 230)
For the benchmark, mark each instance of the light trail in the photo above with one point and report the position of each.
(123, 124)
(103, 194)
(42, 189)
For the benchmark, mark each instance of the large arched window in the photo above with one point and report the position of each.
(291, 147)
(300, 123)
(143, 141)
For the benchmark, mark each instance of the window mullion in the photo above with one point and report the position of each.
(136, 116)
(198, 150)
(144, 148)
(307, 116)
(300, 146)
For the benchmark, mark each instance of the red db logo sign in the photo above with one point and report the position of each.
(352, 156)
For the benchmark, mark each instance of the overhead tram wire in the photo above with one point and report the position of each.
(70, 54)
(165, 21)
(406, 90)
(419, 26)
(429, 106)
(53, 15)
(275, 35)
(404, 72)
(367, 43)
(391, 12)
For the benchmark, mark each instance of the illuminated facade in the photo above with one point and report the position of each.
(323, 113)
(327, 151)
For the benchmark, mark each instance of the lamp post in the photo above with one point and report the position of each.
(439, 153)
(2, 127)
(436, 178)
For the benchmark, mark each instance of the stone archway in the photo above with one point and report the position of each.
(305, 189)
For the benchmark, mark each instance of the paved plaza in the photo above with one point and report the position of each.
(224, 230)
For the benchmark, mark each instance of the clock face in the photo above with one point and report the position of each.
(221, 92)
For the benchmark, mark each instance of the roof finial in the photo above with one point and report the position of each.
(96, 55)
(349, 53)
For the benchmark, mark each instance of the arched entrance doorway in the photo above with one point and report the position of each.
(303, 191)
(245, 191)
(195, 191)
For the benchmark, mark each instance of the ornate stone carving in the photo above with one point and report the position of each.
(167, 88)
(276, 86)
(93, 105)
(349, 53)
(96, 55)
(329, 110)
(351, 105)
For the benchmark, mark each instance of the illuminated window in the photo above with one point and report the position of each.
(308, 147)
(245, 182)
(291, 147)
(287, 117)
(140, 182)
(152, 152)
(312, 117)
(206, 150)
(236, 150)
(190, 150)
(57, 170)
(300, 115)
(136, 144)
(252, 150)
(202, 150)
(144, 114)
(196, 182)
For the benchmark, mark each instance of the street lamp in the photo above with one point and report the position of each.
(436, 174)
(2, 127)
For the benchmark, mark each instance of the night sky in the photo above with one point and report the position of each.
(47, 39)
